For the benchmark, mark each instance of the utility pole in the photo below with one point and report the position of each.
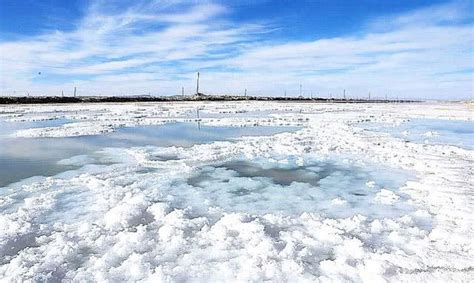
(62, 93)
(182, 91)
(344, 94)
(75, 91)
(245, 92)
(197, 84)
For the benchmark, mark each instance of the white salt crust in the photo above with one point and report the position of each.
(114, 223)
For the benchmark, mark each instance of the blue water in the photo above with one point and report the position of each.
(182, 134)
(8, 128)
(446, 132)
(259, 187)
(236, 114)
(26, 157)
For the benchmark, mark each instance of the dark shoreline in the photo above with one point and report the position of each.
(119, 99)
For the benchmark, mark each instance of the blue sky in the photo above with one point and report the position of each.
(408, 49)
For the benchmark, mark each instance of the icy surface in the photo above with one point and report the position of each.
(330, 201)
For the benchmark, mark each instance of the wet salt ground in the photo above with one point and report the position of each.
(430, 131)
(21, 158)
(331, 187)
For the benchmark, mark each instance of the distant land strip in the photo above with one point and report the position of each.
(199, 97)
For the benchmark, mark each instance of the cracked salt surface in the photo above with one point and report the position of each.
(298, 206)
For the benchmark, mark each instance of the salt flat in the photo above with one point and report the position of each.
(238, 191)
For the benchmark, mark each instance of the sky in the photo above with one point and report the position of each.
(408, 49)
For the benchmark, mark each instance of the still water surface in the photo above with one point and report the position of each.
(21, 158)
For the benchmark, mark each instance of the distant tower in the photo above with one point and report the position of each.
(182, 91)
(301, 87)
(245, 92)
(75, 91)
(62, 93)
(344, 94)
(197, 84)
(369, 95)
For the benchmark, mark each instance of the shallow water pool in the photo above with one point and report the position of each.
(8, 128)
(330, 186)
(430, 131)
(26, 157)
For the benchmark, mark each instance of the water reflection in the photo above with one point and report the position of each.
(8, 128)
(430, 131)
(25, 157)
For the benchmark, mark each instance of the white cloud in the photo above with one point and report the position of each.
(152, 47)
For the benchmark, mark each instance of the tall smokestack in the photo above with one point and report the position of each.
(197, 84)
